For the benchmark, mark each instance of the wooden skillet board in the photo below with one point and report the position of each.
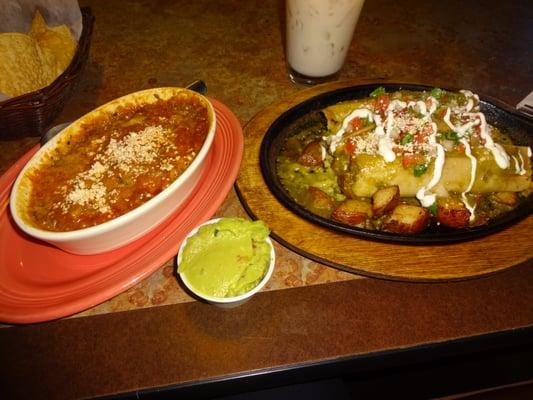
(457, 261)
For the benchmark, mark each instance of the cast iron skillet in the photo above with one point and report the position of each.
(519, 128)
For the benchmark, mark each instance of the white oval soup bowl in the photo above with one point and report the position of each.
(135, 223)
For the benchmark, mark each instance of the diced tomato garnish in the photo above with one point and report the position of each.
(442, 112)
(356, 123)
(409, 160)
(382, 102)
(460, 147)
(420, 137)
(350, 146)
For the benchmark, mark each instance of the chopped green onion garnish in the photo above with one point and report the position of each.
(407, 139)
(377, 92)
(420, 169)
(433, 209)
(436, 93)
(451, 135)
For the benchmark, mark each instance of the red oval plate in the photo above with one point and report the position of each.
(39, 282)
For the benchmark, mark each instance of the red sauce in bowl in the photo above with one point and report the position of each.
(116, 162)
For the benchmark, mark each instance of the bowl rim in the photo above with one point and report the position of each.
(225, 300)
(133, 214)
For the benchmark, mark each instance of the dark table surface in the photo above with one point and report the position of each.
(361, 328)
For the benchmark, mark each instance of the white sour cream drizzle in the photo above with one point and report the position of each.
(498, 152)
(385, 133)
(323, 152)
(396, 105)
(446, 119)
(500, 155)
(461, 130)
(385, 143)
(473, 163)
(422, 106)
(428, 199)
(359, 113)
(520, 164)
(471, 96)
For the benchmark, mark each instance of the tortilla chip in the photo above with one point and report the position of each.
(57, 45)
(31, 62)
(20, 64)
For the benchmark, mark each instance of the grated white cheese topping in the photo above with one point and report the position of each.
(131, 154)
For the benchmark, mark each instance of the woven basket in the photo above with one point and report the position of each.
(32, 113)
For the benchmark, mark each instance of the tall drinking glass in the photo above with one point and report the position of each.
(318, 34)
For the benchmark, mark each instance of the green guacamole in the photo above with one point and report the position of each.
(227, 258)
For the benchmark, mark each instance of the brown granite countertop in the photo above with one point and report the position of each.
(236, 47)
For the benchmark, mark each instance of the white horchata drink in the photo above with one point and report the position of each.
(319, 33)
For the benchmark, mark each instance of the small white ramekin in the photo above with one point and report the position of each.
(226, 302)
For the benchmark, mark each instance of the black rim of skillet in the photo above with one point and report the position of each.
(497, 113)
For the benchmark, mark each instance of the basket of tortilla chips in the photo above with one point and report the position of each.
(38, 72)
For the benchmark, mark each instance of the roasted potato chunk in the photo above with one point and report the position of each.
(319, 202)
(452, 213)
(385, 200)
(406, 218)
(507, 198)
(311, 155)
(353, 212)
(345, 182)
